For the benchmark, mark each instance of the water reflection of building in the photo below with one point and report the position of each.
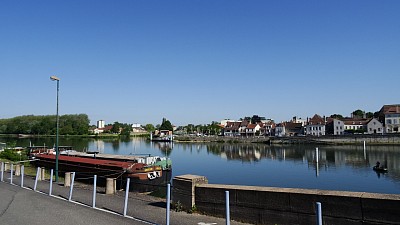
(328, 156)
(99, 145)
(165, 147)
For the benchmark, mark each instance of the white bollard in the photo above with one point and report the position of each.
(22, 175)
(94, 191)
(319, 213)
(51, 182)
(168, 202)
(228, 217)
(72, 186)
(36, 179)
(128, 180)
(11, 174)
(2, 172)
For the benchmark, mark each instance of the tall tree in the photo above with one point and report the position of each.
(149, 127)
(336, 116)
(358, 113)
(166, 125)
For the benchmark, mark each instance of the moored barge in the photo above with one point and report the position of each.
(143, 177)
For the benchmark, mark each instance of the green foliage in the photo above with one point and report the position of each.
(369, 115)
(178, 206)
(193, 209)
(337, 116)
(166, 125)
(207, 129)
(358, 113)
(149, 127)
(46, 125)
(121, 128)
(12, 155)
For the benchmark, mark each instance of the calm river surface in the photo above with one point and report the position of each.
(346, 168)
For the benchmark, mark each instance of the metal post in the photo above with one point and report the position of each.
(128, 180)
(364, 145)
(36, 179)
(94, 190)
(2, 172)
(228, 219)
(72, 186)
(168, 201)
(316, 155)
(51, 182)
(11, 174)
(54, 78)
(58, 123)
(319, 213)
(22, 175)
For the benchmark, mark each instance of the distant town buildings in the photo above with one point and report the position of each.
(100, 124)
(388, 121)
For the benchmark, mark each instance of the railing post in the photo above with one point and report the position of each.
(228, 219)
(168, 202)
(22, 175)
(36, 179)
(319, 213)
(72, 186)
(11, 174)
(2, 172)
(51, 182)
(94, 190)
(128, 180)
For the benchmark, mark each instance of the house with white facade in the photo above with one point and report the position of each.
(252, 129)
(389, 115)
(315, 126)
(334, 126)
(374, 126)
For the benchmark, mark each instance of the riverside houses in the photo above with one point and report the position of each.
(387, 122)
(389, 115)
(315, 126)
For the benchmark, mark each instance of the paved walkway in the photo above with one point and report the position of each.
(24, 206)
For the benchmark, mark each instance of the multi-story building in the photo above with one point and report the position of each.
(315, 126)
(389, 115)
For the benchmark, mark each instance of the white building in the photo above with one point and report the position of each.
(101, 124)
(225, 122)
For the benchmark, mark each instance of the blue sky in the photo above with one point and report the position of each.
(198, 61)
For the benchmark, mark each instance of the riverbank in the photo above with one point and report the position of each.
(298, 140)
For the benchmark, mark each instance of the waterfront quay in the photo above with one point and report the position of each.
(356, 139)
(23, 205)
(33, 201)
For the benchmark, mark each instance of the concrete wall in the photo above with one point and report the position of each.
(267, 205)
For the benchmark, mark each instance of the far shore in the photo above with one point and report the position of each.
(356, 139)
(322, 140)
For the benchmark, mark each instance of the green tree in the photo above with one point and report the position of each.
(337, 116)
(358, 113)
(166, 125)
(369, 115)
(149, 127)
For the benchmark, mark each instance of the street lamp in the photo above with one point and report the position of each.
(54, 78)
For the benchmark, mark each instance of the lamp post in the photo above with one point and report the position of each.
(54, 78)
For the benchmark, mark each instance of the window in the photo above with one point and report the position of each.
(379, 129)
(389, 121)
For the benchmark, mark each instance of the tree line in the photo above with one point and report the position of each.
(77, 124)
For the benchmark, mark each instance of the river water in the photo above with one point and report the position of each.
(347, 168)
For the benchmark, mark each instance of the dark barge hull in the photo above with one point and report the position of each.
(86, 168)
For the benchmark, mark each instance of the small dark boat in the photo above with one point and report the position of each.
(380, 169)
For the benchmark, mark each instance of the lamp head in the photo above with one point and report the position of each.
(53, 78)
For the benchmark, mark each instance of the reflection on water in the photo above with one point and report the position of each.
(300, 166)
